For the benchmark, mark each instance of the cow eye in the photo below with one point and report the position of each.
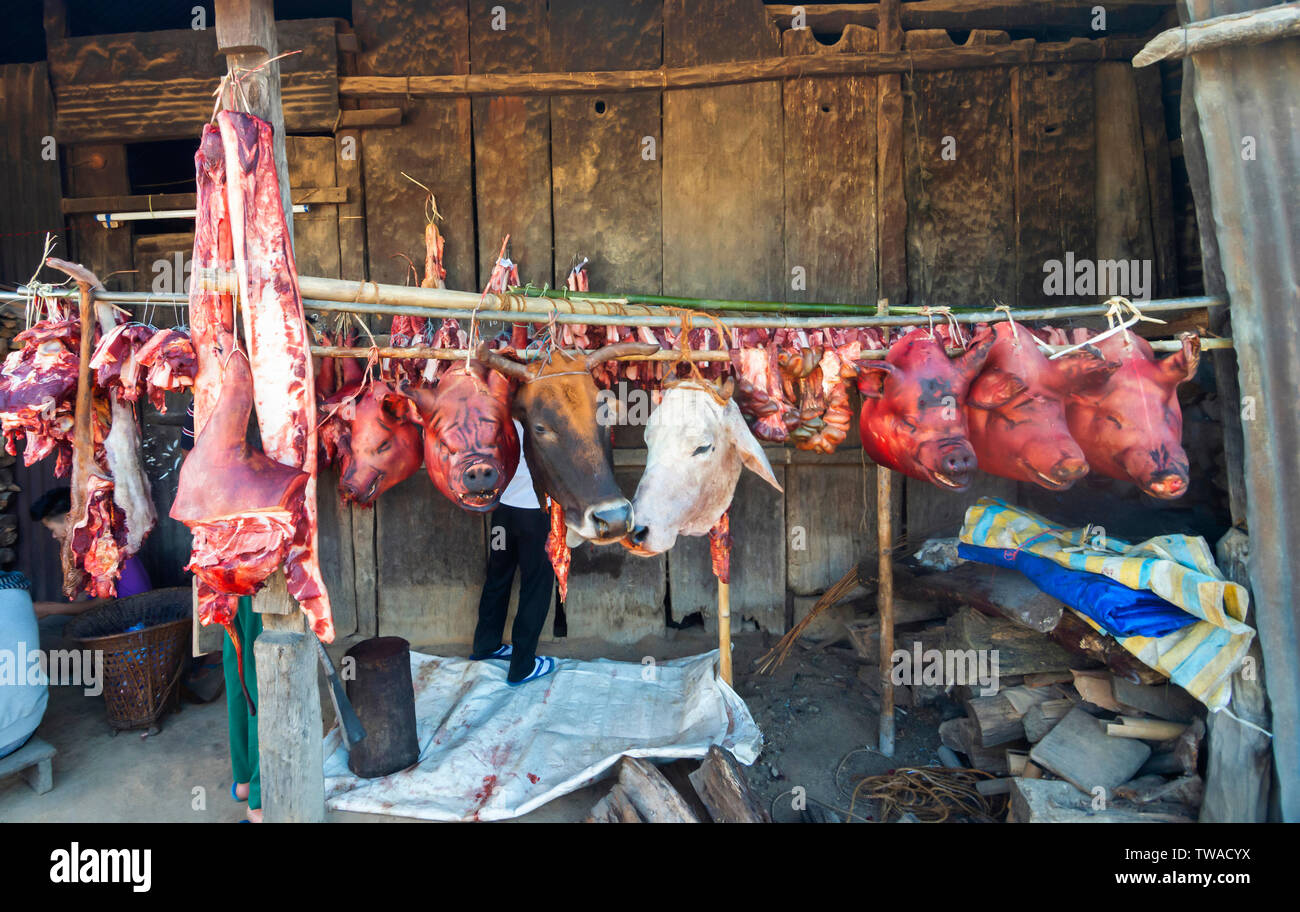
(701, 450)
(541, 429)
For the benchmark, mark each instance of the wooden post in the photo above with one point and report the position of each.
(724, 631)
(289, 718)
(885, 595)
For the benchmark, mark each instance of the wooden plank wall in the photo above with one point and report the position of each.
(830, 189)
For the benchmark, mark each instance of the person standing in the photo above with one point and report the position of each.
(516, 541)
(242, 723)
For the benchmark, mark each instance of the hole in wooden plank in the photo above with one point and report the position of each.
(1051, 129)
(826, 109)
(600, 107)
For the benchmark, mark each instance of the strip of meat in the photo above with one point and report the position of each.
(720, 548)
(280, 346)
(123, 452)
(557, 547)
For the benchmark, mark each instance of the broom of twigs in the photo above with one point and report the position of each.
(777, 654)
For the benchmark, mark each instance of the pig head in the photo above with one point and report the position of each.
(471, 450)
(568, 450)
(696, 447)
(375, 436)
(912, 419)
(1127, 420)
(1016, 412)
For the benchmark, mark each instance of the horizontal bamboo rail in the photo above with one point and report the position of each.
(1021, 52)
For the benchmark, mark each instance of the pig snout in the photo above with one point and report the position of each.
(1055, 465)
(359, 487)
(1167, 486)
(951, 463)
(611, 520)
(481, 477)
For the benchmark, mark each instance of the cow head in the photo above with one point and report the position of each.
(471, 450)
(1128, 420)
(912, 419)
(378, 444)
(569, 452)
(697, 442)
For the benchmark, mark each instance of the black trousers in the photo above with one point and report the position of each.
(516, 539)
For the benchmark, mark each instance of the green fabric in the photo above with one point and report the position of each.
(243, 725)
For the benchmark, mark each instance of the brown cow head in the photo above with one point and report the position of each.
(568, 451)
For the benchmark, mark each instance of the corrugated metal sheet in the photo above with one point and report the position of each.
(1250, 121)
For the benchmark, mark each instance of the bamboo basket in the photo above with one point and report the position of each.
(141, 667)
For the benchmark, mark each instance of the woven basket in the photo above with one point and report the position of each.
(141, 667)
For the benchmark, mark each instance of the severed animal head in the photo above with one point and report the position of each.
(697, 446)
(568, 450)
(1126, 417)
(378, 441)
(471, 450)
(912, 418)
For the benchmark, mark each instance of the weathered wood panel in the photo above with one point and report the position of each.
(613, 594)
(1122, 198)
(960, 182)
(1056, 168)
(830, 176)
(512, 139)
(1155, 141)
(830, 519)
(432, 145)
(30, 187)
(430, 559)
(605, 149)
(158, 85)
(723, 192)
(758, 571)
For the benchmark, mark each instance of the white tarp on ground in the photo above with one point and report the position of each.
(491, 752)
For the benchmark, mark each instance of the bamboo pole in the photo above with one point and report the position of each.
(724, 632)
(456, 354)
(885, 597)
(1024, 51)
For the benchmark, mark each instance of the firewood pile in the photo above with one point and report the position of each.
(714, 791)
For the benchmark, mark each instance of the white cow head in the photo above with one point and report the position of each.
(696, 448)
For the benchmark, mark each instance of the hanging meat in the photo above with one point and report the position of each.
(372, 433)
(1016, 412)
(168, 357)
(278, 340)
(471, 450)
(912, 419)
(38, 384)
(1124, 412)
(761, 389)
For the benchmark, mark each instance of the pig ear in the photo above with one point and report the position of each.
(400, 406)
(751, 452)
(1082, 370)
(1181, 365)
(994, 388)
(971, 361)
(498, 383)
(872, 376)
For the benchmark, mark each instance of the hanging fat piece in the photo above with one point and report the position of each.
(912, 419)
(278, 340)
(1124, 412)
(1016, 412)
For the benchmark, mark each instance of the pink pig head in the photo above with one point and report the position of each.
(912, 419)
(1016, 412)
(1128, 420)
(381, 446)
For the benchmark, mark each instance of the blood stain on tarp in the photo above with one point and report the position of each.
(484, 794)
(534, 778)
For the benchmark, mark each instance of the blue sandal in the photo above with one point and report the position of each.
(542, 666)
(234, 795)
(503, 652)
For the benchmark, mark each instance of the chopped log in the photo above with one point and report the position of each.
(724, 789)
(678, 774)
(960, 735)
(1049, 677)
(1017, 762)
(988, 787)
(616, 807)
(651, 794)
(1144, 729)
(1078, 750)
(1164, 701)
(1095, 688)
(1044, 801)
(996, 720)
(1041, 719)
(1020, 650)
(1149, 789)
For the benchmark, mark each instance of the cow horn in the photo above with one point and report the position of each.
(618, 349)
(501, 364)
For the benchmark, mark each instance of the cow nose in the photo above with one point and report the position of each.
(639, 534)
(480, 477)
(612, 520)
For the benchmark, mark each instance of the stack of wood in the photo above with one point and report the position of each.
(714, 791)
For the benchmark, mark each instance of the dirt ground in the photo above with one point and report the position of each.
(817, 719)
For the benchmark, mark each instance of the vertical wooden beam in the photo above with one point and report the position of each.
(891, 213)
(885, 595)
(289, 716)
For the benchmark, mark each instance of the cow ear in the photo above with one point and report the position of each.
(1182, 364)
(872, 376)
(1085, 369)
(751, 452)
(994, 389)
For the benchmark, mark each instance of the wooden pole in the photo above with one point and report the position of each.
(290, 749)
(724, 631)
(885, 598)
